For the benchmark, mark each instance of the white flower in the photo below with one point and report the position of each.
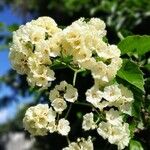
(51, 115)
(51, 127)
(19, 62)
(85, 144)
(99, 25)
(112, 93)
(126, 93)
(54, 94)
(62, 86)
(81, 144)
(63, 127)
(113, 117)
(41, 76)
(59, 105)
(120, 135)
(71, 94)
(102, 105)
(36, 119)
(48, 24)
(104, 129)
(116, 134)
(94, 96)
(88, 122)
(99, 71)
(124, 105)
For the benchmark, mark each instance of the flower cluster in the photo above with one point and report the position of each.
(40, 119)
(61, 94)
(36, 44)
(81, 144)
(39, 45)
(32, 49)
(84, 41)
(115, 95)
(114, 129)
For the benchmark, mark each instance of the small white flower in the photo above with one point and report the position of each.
(120, 135)
(61, 86)
(104, 129)
(88, 122)
(81, 144)
(51, 115)
(112, 93)
(113, 117)
(52, 127)
(36, 119)
(102, 105)
(59, 105)
(63, 127)
(126, 93)
(54, 94)
(71, 94)
(94, 96)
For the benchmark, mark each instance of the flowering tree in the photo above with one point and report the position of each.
(74, 67)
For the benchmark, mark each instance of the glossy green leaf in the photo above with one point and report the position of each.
(135, 45)
(132, 74)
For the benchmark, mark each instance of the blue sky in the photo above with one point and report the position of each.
(8, 17)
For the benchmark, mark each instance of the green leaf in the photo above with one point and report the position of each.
(135, 45)
(132, 74)
(135, 145)
(13, 27)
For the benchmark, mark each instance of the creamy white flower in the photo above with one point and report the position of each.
(41, 76)
(94, 95)
(88, 122)
(88, 63)
(116, 134)
(126, 93)
(46, 23)
(99, 71)
(120, 135)
(59, 105)
(71, 93)
(55, 44)
(19, 62)
(54, 94)
(85, 144)
(99, 25)
(51, 127)
(114, 117)
(104, 129)
(81, 144)
(102, 105)
(124, 106)
(112, 93)
(63, 127)
(62, 86)
(36, 119)
(51, 115)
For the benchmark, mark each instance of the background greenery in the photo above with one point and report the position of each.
(125, 20)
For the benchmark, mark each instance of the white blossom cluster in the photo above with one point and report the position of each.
(114, 128)
(81, 144)
(115, 95)
(40, 119)
(37, 45)
(39, 41)
(32, 49)
(62, 94)
(84, 41)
